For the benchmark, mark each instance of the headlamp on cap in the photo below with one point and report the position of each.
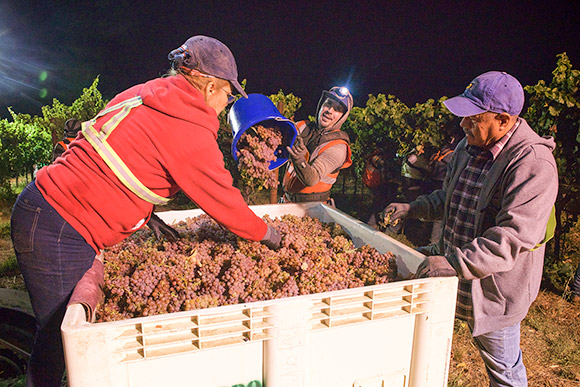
(342, 91)
(341, 94)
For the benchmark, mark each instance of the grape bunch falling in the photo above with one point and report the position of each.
(210, 266)
(256, 150)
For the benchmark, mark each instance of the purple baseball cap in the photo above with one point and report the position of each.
(209, 56)
(494, 91)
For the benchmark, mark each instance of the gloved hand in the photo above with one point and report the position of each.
(297, 151)
(397, 211)
(159, 227)
(272, 238)
(428, 250)
(304, 171)
(435, 266)
(88, 291)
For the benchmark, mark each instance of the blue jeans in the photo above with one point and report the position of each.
(52, 257)
(501, 353)
(575, 285)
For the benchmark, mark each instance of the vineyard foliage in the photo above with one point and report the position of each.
(27, 140)
(553, 109)
(21, 146)
(387, 122)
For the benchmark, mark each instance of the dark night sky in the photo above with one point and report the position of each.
(414, 50)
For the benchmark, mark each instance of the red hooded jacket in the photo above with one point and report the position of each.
(169, 143)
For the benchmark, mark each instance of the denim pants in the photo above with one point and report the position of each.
(52, 257)
(501, 353)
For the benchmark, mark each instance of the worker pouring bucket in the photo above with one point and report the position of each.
(259, 109)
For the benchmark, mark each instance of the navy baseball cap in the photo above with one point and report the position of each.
(209, 56)
(340, 94)
(494, 91)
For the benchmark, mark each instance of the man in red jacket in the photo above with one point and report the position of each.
(150, 142)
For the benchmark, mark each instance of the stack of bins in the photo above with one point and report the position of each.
(395, 334)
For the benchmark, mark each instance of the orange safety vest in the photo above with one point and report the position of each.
(372, 175)
(441, 154)
(292, 183)
(65, 142)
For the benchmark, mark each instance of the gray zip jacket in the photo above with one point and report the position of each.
(516, 200)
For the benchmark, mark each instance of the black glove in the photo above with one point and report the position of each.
(272, 238)
(298, 152)
(435, 266)
(160, 228)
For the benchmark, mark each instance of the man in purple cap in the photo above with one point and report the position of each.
(496, 200)
(151, 141)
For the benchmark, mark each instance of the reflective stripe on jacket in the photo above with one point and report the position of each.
(98, 140)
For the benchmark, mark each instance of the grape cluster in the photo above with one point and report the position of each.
(210, 266)
(256, 150)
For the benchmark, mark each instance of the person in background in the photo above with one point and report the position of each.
(151, 141)
(438, 170)
(320, 150)
(415, 172)
(439, 160)
(416, 181)
(495, 204)
(380, 177)
(71, 129)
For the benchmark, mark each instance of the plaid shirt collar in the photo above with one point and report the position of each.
(497, 147)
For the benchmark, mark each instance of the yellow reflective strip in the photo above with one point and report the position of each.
(119, 168)
(550, 228)
(98, 140)
(135, 101)
(110, 125)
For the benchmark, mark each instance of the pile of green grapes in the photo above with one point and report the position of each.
(256, 150)
(210, 266)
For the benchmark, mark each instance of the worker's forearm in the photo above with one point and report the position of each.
(325, 163)
(307, 174)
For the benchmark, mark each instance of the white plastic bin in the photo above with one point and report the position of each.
(395, 334)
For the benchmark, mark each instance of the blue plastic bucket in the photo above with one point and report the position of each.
(259, 109)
